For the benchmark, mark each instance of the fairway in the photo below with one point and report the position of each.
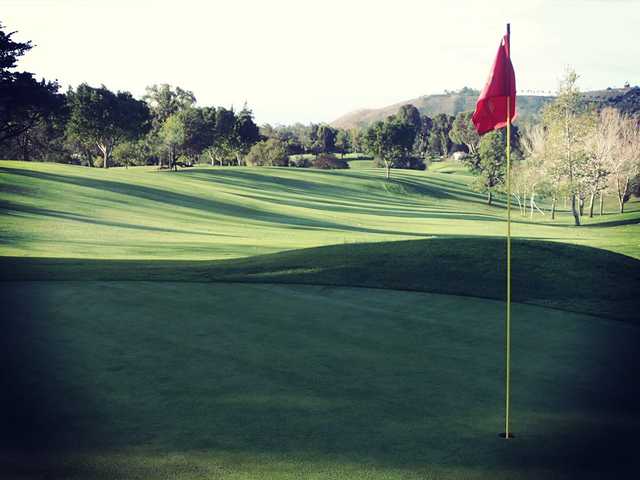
(333, 382)
(296, 323)
(211, 213)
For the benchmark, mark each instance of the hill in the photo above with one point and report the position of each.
(450, 103)
(52, 210)
(626, 99)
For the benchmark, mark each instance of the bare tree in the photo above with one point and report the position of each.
(624, 163)
(535, 145)
(601, 145)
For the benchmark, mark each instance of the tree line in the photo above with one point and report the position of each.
(578, 152)
(95, 126)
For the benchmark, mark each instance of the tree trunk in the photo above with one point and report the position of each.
(553, 208)
(574, 210)
(489, 197)
(387, 166)
(581, 205)
(601, 203)
(591, 202)
(531, 204)
(621, 193)
(522, 213)
(105, 156)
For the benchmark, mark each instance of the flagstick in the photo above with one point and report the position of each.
(508, 323)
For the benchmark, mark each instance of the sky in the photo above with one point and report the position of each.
(314, 60)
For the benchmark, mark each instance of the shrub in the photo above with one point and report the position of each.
(329, 162)
(272, 152)
(300, 162)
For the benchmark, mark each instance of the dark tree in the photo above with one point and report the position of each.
(100, 118)
(246, 134)
(24, 101)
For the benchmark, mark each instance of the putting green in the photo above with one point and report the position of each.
(192, 380)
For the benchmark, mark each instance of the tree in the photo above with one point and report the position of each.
(490, 164)
(569, 122)
(464, 132)
(600, 146)
(164, 100)
(271, 152)
(101, 118)
(326, 139)
(343, 142)
(24, 101)
(391, 142)
(189, 132)
(439, 141)
(421, 144)
(529, 177)
(245, 134)
(410, 115)
(624, 163)
(134, 152)
(223, 144)
(173, 135)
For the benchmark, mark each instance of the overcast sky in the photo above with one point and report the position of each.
(313, 60)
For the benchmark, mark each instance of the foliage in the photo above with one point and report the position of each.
(327, 161)
(271, 152)
(164, 100)
(245, 134)
(343, 142)
(24, 101)
(391, 142)
(133, 152)
(439, 142)
(101, 118)
(464, 132)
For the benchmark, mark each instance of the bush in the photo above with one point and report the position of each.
(272, 152)
(329, 162)
(300, 162)
(131, 153)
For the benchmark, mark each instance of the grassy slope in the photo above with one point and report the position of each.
(181, 378)
(568, 277)
(209, 213)
(267, 381)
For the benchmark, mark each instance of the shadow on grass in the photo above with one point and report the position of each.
(211, 206)
(311, 372)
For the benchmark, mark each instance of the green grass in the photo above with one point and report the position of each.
(568, 277)
(213, 213)
(278, 381)
(296, 323)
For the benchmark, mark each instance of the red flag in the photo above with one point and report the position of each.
(491, 108)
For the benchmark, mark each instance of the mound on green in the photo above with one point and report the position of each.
(193, 380)
(568, 277)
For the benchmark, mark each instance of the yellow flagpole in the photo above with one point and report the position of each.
(508, 320)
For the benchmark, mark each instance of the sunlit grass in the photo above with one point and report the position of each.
(208, 213)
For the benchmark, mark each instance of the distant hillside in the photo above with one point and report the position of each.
(450, 103)
(626, 99)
